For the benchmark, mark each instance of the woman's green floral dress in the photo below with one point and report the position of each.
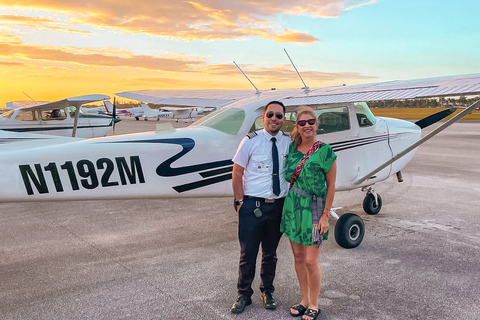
(297, 210)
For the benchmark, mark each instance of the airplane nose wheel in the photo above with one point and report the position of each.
(349, 231)
(372, 202)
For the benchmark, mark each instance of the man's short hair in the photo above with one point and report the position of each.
(275, 102)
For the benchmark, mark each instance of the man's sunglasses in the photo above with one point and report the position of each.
(278, 115)
(302, 123)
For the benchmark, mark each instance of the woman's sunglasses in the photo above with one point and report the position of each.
(302, 123)
(278, 115)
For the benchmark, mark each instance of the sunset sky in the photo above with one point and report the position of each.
(53, 49)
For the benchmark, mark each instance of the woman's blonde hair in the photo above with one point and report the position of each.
(295, 135)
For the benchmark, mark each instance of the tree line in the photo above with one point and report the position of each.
(462, 101)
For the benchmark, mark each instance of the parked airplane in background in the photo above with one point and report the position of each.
(154, 113)
(196, 161)
(58, 118)
(195, 103)
(128, 112)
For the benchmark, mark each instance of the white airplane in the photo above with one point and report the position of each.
(196, 161)
(195, 102)
(136, 112)
(154, 113)
(58, 118)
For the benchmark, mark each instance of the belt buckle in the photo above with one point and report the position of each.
(269, 200)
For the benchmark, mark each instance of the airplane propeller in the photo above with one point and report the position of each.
(114, 114)
(431, 119)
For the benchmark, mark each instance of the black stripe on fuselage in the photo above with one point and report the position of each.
(202, 183)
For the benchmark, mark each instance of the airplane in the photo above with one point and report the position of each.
(131, 112)
(196, 102)
(196, 161)
(154, 113)
(58, 118)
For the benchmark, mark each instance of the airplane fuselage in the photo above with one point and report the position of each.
(193, 161)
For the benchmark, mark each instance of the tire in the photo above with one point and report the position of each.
(349, 231)
(369, 204)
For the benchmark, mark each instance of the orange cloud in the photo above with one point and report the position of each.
(39, 23)
(206, 20)
(91, 57)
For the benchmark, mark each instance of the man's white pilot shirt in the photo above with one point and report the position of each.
(255, 155)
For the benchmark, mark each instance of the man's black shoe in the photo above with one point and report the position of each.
(268, 300)
(240, 304)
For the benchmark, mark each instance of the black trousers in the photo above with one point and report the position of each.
(253, 231)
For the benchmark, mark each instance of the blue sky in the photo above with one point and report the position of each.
(53, 49)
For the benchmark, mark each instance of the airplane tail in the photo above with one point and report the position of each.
(108, 105)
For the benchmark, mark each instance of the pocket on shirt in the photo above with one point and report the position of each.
(259, 163)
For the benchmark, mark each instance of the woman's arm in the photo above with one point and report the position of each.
(330, 178)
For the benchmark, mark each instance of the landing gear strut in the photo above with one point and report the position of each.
(372, 202)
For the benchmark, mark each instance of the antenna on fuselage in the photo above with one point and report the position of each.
(29, 97)
(305, 87)
(256, 89)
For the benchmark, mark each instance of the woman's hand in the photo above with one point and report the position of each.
(323, 224)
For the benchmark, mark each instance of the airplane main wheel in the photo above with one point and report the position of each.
(369, 204)
(137, 118)
(349, 231)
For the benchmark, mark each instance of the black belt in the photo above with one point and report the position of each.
(263, 199)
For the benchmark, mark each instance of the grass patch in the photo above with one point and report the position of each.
(418, 113)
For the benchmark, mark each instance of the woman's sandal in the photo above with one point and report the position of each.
(312, 314)
(298, 307)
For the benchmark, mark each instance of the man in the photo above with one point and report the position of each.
(260, 188)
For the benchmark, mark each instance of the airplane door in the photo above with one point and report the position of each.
(372, 145)
(55, 122)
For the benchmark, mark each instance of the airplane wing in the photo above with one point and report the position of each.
(75, 101)
(191, 98)
(390, 90)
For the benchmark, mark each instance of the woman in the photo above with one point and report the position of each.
(307, 207)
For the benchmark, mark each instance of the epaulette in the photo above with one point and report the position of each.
(286, 133)
(252, 134)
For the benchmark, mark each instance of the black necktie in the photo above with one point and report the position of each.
(275, 177)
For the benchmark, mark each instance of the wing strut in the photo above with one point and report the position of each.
(419, 142)
(75, 122)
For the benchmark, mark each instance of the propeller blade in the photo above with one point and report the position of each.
(431, 119)
(114, 114)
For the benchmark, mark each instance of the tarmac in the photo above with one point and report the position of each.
(178, 259)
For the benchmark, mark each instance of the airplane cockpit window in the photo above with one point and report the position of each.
(226, 120)
(72, 110)
(55, 114)
(365, 117)
(332, 119)
(26, 116)
(290, 118)
(7, 114)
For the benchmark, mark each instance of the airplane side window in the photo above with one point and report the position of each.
(26, 116)
(365, 117)
(55, 114)
(332, 120)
